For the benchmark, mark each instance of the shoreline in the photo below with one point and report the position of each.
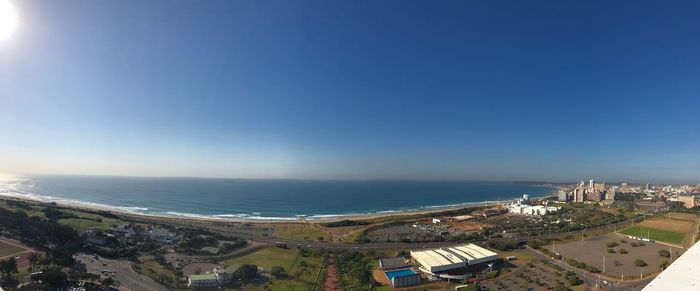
(127, 211)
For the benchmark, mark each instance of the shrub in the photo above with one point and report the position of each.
(623, 251)
(663, 265)
(612, 244)
(492, 274)
(664, 253)
(592, 269)
(611, 251)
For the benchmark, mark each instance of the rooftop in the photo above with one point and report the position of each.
(205, 277)
(393, 263)
(452, 257)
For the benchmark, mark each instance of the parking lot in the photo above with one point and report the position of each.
(119, 270)
(592, 250)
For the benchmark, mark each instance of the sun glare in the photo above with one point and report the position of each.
(8, 19)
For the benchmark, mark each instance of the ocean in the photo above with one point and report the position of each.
(261, 198)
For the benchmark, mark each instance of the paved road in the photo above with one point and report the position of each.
(592, 280)
(129, 279)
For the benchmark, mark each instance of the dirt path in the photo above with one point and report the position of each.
(331, 282)
(23, 260)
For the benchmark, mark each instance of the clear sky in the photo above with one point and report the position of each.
(497, 90)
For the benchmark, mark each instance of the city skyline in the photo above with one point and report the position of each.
(365, 90)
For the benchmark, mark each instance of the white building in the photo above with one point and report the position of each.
(163, 235)
(522, 207)
(563, 196)
(436, 261)
(535, 210)
(214, 279)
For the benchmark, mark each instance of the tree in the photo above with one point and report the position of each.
(108, 282)
(247, 272)
(664, 265)
(54, 277)
(278, 272)
(664, 253)
(8, 267)
(640, 263)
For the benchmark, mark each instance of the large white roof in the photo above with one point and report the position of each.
(683, 274)
(447, 258)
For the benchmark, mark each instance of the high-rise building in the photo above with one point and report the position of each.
(579, 194)
(594, 196)
(591, 185)
(563, 196)
(600, 187)
(610, 194)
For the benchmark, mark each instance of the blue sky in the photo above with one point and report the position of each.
(497, 90)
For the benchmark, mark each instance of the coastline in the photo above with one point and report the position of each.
(132, 211)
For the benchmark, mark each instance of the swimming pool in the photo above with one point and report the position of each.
(399, 273)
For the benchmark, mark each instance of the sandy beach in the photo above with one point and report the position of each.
(124, 211)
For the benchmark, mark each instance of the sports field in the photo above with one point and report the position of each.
(302, 275)
(8, 249)
(674, 237)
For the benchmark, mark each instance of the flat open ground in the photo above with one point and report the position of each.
(656, 234)
(672, 230)
(7, 249)
(302, 278)
(592, 250)
(301, 231)
(12, 248)
(673, 224)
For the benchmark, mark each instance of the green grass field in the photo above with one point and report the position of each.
(655, 234)
(154, 270)
(8, 249)
(85, 221)
(299, 231)
(290, 260)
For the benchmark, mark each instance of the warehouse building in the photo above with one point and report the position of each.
(454, 262)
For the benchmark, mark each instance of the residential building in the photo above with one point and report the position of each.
(610, 194)
(579, 195)
(563, 196)
(689, 201)
(594, 196)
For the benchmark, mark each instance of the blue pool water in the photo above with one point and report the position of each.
(399, 273)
